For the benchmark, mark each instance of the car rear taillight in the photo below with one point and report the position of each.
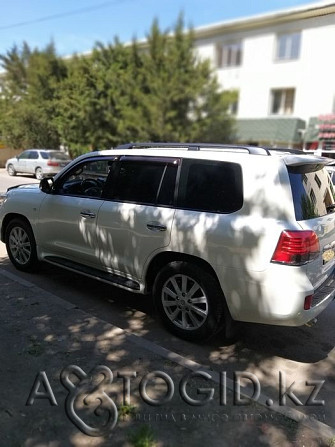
(53, 163)
(296, 247)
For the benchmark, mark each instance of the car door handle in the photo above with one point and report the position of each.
(156, 226)
(88, 214)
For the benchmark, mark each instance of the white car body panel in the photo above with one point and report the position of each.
(66, 229)
(124, 240)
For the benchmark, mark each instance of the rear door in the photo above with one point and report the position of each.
(32, 162)
(314, 204)
(136, 217)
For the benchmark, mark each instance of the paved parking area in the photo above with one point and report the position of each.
(46, 339)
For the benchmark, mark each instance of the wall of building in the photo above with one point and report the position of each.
(312, 75)
(6, 153)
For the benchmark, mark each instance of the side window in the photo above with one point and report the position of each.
(145, 181)
(45, 155)
(33, 155)
(211, 186)
(87, 179)
(24, 155)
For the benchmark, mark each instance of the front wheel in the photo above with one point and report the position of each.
(11, 170)
(189, 301)
(21, 245)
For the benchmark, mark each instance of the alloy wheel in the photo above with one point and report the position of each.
(20, 245)
(184, 302)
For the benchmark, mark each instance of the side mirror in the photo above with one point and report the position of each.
(46, 185)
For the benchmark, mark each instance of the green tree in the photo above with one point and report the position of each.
(28, 87)
(181, 97)
(95, 107)
(159, 90)
(156, 91)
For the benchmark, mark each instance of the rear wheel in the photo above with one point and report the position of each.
(189, 301)
(21, 245)
(11, 170)
(39, 173)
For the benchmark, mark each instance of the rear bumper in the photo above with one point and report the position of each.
(51, 170)
(325, 291)
(276, 296)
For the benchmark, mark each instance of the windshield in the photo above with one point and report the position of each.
(313, 192)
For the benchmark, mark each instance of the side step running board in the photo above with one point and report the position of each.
(94, 273)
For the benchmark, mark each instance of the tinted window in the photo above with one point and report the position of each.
(313, 192)
(211, 186)
(144, 181)
(33, 155)
(167, 189)
(58, 155)
(54, 154)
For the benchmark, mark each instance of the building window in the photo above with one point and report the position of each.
(282, 101)
(232, 100)
(317, 180)
(229, 55)
(233, 107)
(288, 46)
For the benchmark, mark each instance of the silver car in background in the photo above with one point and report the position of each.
(38, 162)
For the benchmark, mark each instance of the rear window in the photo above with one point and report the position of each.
(54, 154)
(211, 186)
(313, 192)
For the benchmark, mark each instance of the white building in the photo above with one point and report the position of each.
(282, 65)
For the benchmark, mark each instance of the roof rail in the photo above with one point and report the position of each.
(254, 150)
(286, 150)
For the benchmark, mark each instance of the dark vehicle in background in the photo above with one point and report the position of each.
(38, 162)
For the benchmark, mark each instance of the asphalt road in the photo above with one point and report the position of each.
(6, 181)
(300, 355)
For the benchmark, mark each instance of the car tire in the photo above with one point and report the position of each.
(189, 301)
(21, 245)
(11, 170)
(39, 173)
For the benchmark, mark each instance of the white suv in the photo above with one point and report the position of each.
(216, 233)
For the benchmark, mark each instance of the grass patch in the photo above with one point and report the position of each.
(126, 410)
(143, 437)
